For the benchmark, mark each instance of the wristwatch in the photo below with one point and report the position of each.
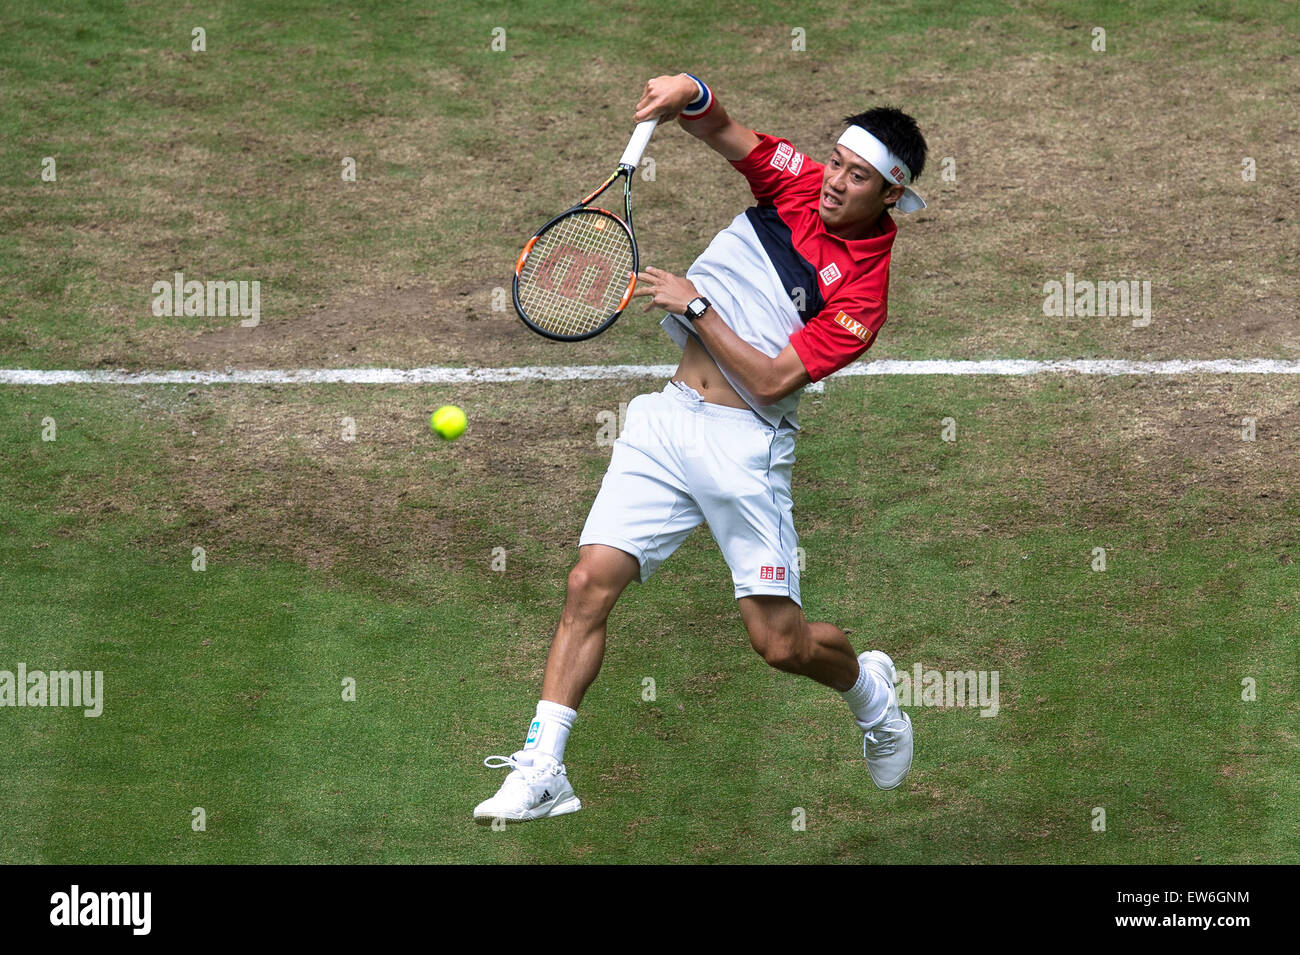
(697, 307)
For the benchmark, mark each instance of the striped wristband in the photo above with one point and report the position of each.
(701, 105)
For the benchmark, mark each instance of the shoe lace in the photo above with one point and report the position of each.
(521, 771)
(891, 731)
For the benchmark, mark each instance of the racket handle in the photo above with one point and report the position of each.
(636, 146)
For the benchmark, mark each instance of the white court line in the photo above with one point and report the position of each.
(461, 376)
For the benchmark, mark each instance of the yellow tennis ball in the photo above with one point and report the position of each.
(449, 422)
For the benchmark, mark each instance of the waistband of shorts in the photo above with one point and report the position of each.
(692, 399)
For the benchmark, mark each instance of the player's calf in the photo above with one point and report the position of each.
(788, 642)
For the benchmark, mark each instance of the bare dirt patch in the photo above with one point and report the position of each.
(269, 473)
(1135, 448)
(1112, 167)
(383, 326)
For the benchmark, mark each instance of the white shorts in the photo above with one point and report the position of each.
(681, 461)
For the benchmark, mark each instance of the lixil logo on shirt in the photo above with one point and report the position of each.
(830, 275)
(854, 326)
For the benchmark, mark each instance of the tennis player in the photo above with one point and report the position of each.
(792, 290)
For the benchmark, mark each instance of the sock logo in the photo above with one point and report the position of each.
(532, 732)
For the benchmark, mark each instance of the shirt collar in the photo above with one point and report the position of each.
(862, 249)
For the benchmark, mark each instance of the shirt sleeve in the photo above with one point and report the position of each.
(838, 335)
(776, 170)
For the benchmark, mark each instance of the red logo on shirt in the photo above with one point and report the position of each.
(780, 573)
(830, 275)
(782, 155)
(765, 572)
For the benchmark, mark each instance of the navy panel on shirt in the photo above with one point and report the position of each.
(795, 271)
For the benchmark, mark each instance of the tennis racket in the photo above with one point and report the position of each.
(575, 276)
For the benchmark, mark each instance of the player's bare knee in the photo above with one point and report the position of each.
(785, 656)
(580, 579)
(589, 591)
(787, 652)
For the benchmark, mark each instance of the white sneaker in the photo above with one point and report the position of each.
(529, 792)
(887, 746)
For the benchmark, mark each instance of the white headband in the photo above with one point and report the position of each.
(894, 170)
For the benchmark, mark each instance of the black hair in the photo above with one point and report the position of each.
(896, 130)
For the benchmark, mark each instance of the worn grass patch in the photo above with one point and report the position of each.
(1045, 158)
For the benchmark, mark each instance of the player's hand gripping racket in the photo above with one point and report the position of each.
(575, 276)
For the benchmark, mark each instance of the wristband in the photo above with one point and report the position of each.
(700, 106)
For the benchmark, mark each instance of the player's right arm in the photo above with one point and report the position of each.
(666, 97)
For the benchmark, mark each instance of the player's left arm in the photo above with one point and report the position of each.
(767, 379)
(836, 336)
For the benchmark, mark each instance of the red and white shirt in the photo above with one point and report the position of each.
(778, 278)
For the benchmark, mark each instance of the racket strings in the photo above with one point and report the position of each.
(577, 273)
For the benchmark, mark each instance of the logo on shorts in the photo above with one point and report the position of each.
(830, 275)
(796, 164)
(782, 156)
(769, 572)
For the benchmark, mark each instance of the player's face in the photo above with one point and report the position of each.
(853, 192)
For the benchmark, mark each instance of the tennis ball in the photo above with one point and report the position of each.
(449, 422)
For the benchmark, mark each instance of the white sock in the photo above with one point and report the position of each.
(868, 698)
(549, 730)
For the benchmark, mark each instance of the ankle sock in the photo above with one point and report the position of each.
(549, 731)
(868, 698)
